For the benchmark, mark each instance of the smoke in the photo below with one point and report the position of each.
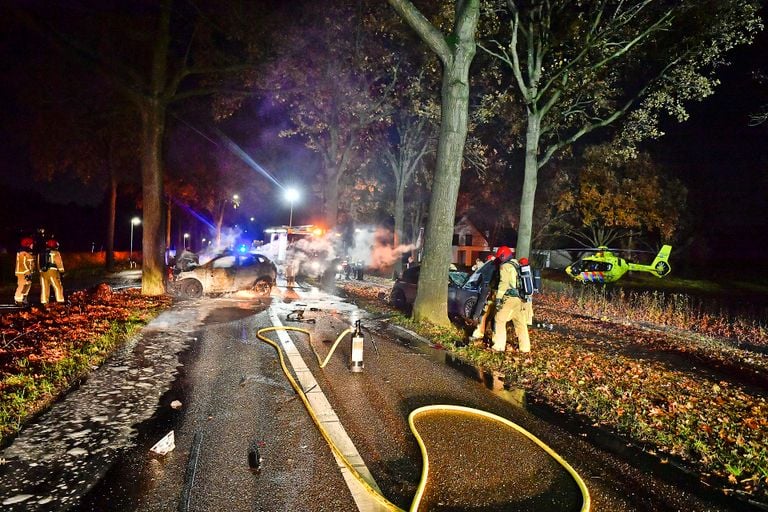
(373, 247)
(229, 239)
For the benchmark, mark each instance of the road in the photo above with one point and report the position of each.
(91, 450)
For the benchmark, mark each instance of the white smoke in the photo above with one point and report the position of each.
(373, 246)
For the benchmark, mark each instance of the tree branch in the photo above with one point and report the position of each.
(428, 33)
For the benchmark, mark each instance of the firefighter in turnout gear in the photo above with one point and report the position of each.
(25, 266)
(51, 268)
(510, 306)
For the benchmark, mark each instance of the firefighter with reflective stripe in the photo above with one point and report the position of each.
(51, 268)
(25, 266)
(509, 305)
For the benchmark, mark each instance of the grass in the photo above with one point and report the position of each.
(37, 382)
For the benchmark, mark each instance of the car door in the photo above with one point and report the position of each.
(222, 272)
(246, 272)
(474, 286)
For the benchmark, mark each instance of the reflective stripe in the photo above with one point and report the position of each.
(593, 277)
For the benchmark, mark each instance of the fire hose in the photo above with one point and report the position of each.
(586, 500)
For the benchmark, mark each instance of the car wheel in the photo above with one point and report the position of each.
(397, 299)
(469, 308)
(262, 287)
(191, 288)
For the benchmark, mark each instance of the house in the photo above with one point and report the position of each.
(468, 243)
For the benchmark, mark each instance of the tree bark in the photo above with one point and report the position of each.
(332, 198)
(110, 256)
(399, 221)
(525, 229)
(153, 239)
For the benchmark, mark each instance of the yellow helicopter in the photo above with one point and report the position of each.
(605, 267)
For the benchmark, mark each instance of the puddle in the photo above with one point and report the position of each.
(492, 380)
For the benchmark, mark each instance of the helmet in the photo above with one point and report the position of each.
(523, 261)
(27, 242)
(52, 244)
(504, 253)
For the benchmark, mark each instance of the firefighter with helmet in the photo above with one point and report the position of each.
(51, 269)
(25, 266)
(509, 305)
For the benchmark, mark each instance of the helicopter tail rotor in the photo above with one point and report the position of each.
(660, 264)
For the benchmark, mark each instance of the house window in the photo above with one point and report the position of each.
(455, 239)
(467, 239)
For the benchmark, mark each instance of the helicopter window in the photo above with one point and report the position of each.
(598, 266)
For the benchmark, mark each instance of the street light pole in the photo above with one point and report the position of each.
(134, 222)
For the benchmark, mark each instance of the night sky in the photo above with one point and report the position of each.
(724, 163)
(722, 160)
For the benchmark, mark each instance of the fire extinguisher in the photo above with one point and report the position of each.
(356, 362)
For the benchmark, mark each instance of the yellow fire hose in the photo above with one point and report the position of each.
(586, 501)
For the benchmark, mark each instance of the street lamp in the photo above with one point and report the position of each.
(134, 222)
(291, 195)
(186, 237)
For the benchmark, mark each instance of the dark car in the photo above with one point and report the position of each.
(226, 273)
(403, 292)
(463, 290)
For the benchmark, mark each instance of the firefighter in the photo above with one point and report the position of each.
(509, 305)
(51, 269)
(25, 265)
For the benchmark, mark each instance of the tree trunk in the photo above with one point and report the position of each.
(399, 221)
(153, 241)
(332, 198)
(167, 224)
(219, 224)
(110, 256)
(432, 297)
(525, 229)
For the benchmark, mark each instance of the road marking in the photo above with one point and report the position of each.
(330, 421)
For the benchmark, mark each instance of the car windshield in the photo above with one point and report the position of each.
(458, 278)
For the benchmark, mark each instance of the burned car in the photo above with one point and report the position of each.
(226, 273)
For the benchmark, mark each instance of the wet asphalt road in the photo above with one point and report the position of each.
(90, 452)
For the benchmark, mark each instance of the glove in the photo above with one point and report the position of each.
(28, 278)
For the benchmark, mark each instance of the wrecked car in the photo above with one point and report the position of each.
(225, 273)
(403, 292)
(463, 290)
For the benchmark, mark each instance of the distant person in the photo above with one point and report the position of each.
(290, 272)
(25, 266)
(51, 270)
(509, 305)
